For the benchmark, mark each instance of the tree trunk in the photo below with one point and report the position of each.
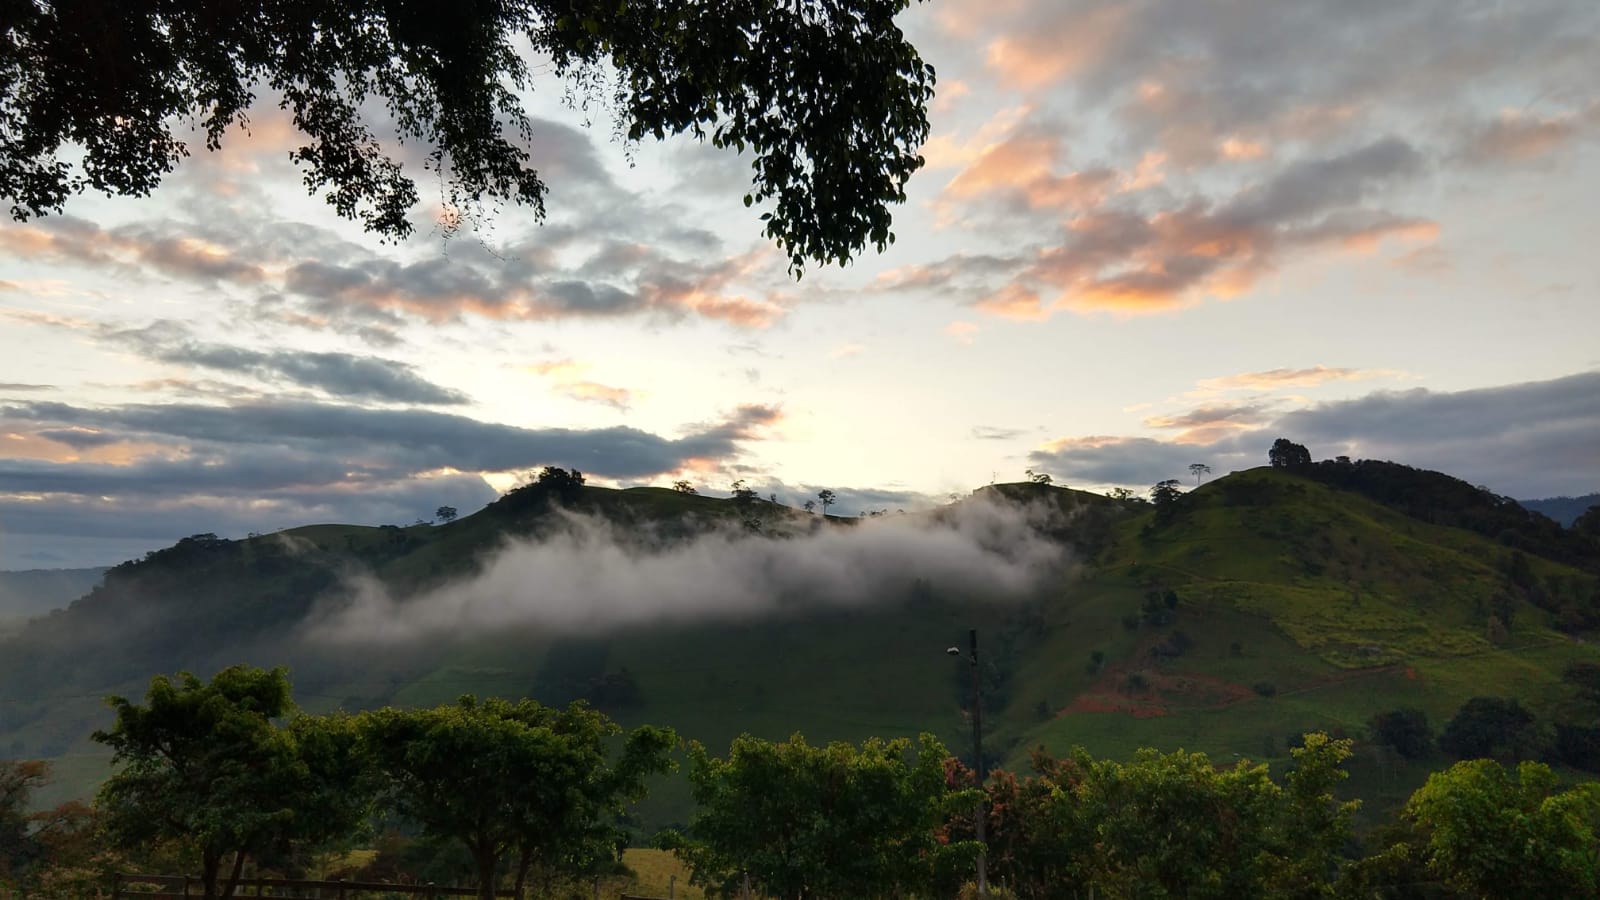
(485, 860)
(233, 878)
(524, 860)
(210, 862)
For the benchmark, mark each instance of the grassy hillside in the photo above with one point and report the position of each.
(1264, 604)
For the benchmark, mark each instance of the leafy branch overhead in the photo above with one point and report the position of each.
(829, 98)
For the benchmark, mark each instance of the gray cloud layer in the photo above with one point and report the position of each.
(341, 375)
(1534, 439)
(269, 465)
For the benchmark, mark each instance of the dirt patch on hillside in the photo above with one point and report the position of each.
(1163, 693)
(1160, 693)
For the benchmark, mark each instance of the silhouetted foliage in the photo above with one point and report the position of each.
(1165, 496)
(829, 99)
(1491, 727)
(1588, 524)
(1578, 746)
(554, 486)
(1286, 454)
(1405, 730)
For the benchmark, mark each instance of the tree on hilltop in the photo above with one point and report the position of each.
(828, 98)
(1286, 454)
(1199, 469)
(445, 514)
(827, 498)
(1165, 496)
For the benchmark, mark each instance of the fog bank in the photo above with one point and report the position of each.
(589, 577)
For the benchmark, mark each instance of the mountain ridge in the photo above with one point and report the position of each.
(1260, 604)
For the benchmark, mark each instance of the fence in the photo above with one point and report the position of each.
(178, 887)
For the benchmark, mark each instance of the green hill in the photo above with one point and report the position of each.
(1260, 605)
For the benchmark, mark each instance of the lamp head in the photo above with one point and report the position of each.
(953, 651)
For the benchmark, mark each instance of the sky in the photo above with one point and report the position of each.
(1149, 233)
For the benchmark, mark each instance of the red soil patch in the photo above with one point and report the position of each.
(1162, 690)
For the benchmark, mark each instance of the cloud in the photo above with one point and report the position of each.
(161, 471)
(145, 246)
(945, 151)
(963, 331)
(396, 441)
(594, 392)
(1041, 56)
(989, 433)
(306, 276)
(1208, 424)
(17, 387)
(590, 578)
(568, 381)
(1021, 171)
(1274, 379)
(1130, 261)
(340, 375)
(1518, 137)
(1107, 459)
(1213, 81)
(1530, 439)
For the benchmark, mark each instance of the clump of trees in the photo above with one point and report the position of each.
(224, 776)
(227, 772)
(841, 820)
(553, 486)
(1286, 454)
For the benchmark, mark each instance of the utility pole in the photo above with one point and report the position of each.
(981, 817)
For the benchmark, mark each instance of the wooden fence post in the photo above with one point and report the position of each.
(116, 885)
(185, 885)
(672, 887)
(597, 887)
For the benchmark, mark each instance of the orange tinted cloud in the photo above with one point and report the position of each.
(1517, 137)
(1042, 54)
(962, 331)
(67, 238)
(1275, 379)
(1208, 424)
(567, 375)
(944, 150)
(1130, 261)
(594, 392)
(1023, 167)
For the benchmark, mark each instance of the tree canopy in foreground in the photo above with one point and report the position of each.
(829, 98)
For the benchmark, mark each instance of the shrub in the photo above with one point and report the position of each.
(1266, 688)
(1491, 726)
(1406, 730)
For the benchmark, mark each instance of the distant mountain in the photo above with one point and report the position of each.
(32, 592)
(1565, 510)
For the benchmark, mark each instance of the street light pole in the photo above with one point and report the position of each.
(980, 818)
